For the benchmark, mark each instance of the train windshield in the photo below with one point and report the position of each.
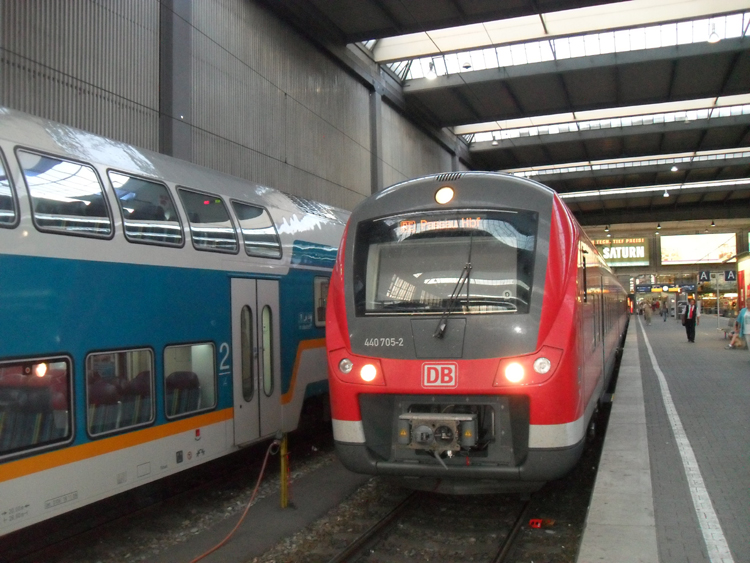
(467, 262)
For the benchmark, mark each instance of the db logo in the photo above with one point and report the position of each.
(440, 375)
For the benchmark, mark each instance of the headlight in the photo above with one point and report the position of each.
(346, 365)
(368, 372)
(514, 372)
(542, 365)
(444, 195)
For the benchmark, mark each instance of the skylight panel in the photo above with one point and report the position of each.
(584, 44)
(595, 194)
(451, 64)
(617, 164)
(669, 112)
(504, 56)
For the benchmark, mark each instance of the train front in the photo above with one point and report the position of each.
(451, 336)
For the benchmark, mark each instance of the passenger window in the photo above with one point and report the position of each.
(148, 212)
(35, 404)
(119, 390)
(267, 328)
(190, 383)
(8, 214)
(246, 330)
(258, 231)
(66, 196)
(320, 300)
(210, 226)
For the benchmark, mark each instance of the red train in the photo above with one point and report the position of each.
(472, 329)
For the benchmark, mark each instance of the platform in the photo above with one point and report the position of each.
(673, 484)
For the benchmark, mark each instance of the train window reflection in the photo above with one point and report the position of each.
(8, 213)
(148, 212)
(190, 384)
(66, 196)
(35, 404)
(471, 261)
(258, 231)
(210, 226)
(119, 390)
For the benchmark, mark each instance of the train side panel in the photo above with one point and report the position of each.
(117, 355)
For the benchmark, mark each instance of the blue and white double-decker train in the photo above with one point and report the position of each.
(154, 315)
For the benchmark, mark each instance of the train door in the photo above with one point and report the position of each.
(256, 359)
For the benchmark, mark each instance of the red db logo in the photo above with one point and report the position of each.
(440, 375)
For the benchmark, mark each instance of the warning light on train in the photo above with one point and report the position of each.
(514, 372)
(40, 370)
(444, 195)
(368, 372)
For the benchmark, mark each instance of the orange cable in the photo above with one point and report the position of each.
(247, 508)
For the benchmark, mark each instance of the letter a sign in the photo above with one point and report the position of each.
(704, 277)
(730, 275)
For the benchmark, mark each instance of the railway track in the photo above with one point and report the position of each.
(442, 528)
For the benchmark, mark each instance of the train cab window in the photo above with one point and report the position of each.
(210, 226)
(148, 212)
(119, 390)
(474, 262)
(35, 404)
(8, 213)
(258, 231)
(190, 383)
(320, 299)
(66, 196)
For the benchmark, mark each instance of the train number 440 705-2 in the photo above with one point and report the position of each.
(384, 342)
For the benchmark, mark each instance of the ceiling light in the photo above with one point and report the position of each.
(657, 232)
(431, 74)
(466, 66)
(666, 193)
(606, 229)
(674, 169)
(609, 235)
(714, 37)
(713, 224)
(658, 226)
(494, 142)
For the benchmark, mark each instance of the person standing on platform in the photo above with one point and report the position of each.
(690, 318)
(647, 313)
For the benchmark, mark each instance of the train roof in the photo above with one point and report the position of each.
(63, 140)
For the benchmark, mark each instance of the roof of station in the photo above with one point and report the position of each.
(607, 102)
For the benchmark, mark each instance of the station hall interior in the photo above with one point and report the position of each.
(636, 112)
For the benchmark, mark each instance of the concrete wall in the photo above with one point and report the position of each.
(222, 83)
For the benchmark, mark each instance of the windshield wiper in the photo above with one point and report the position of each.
(463, 279)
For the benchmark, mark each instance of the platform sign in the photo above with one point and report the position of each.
(704, 276)
(730, 275)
